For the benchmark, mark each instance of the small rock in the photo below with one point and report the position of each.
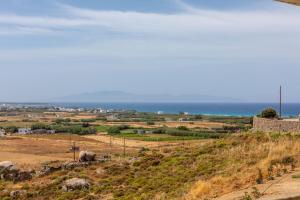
(87, 156)
(100, 171)
(76, 184)
(73, 165)
(18, 193)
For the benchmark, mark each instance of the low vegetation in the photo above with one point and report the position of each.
(269, 113)
(191, 171)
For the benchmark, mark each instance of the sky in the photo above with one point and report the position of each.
(242, 49)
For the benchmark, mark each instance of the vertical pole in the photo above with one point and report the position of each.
(124, 147)
(280, 106)
(110, 143)
(74, 151)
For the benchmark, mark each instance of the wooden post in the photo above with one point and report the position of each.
(280, 103)
(124, 147)
(110, 143)
(74, 151)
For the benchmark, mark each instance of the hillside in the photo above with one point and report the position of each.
(202, 170)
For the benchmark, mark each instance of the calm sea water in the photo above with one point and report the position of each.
(232, 109)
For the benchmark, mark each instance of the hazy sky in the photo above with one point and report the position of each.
(235, 48)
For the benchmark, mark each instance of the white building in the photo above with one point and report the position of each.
(24, 131)
(2, 132)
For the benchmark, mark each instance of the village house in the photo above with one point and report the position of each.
(140, 131)
(112, 117)
(43, 131)
(2, 132)
(24, 131)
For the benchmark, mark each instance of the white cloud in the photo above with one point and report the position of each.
(193, 21)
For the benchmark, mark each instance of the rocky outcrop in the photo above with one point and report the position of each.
(9, 172)
(16, 194)
(87, 156)
(49, 168)
(76, 184)
(73, 165)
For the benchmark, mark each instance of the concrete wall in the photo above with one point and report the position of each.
(275, 125)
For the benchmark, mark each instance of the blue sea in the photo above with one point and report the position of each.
(228, 109)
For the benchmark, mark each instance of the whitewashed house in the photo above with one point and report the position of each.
(24, 131)
(2, 132)
(112, 117)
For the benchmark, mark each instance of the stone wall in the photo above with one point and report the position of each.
(275, 125)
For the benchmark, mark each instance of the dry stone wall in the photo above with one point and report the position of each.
(275, 125)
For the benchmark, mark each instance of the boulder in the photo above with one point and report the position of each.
(50, 167)
(100, 171)
(87, 156)
(76, 184)
(73, 165)
(6, 165)
(9, 172)
(16, 194)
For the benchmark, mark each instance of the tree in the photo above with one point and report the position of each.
(269, 113)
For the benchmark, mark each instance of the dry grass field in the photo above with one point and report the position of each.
(31, 151)
(171, 124)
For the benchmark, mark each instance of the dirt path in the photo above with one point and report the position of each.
(283, 188)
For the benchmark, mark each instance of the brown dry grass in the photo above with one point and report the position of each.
(252, 155)
(172, 124)
(32, 150)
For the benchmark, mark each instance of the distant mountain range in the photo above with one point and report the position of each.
(123, 97)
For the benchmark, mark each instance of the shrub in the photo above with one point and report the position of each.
(182, 128)
(150, 123)
(159, 131)
(40, 126)
(88, 120)
(123, 127)
(113, 130)
(88, 131)
(269, 113)
(11, 129)
(61, 120)
(85, 124)
(198, 117)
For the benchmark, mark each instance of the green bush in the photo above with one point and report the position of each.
(198, 117)
(269, 113)
(11, 129)
(182, 128)
(40, 126)
(113, 130)
(88, 120)
(62, 120)
(150, 123)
